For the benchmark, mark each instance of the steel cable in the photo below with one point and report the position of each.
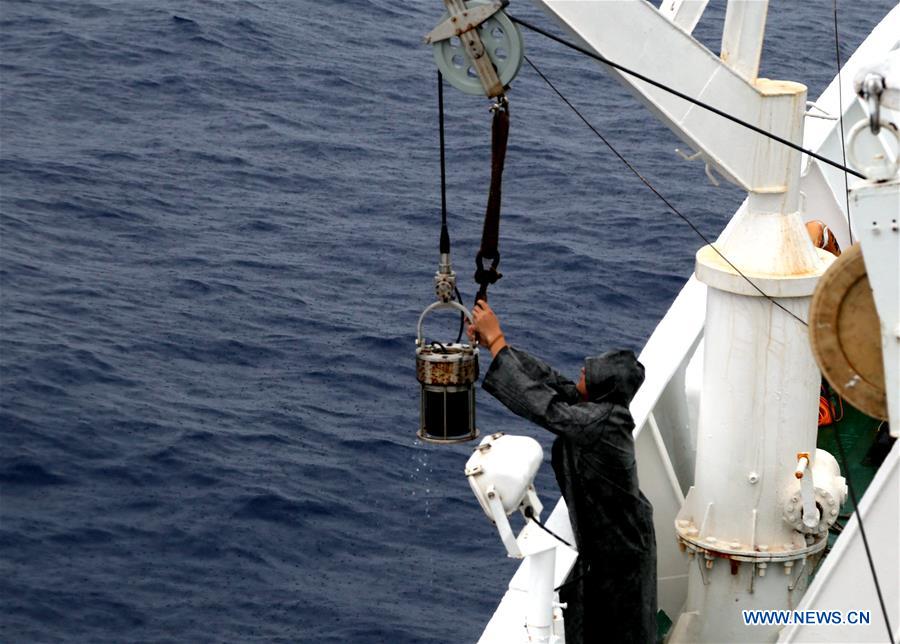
(682, 95)
(837, 55)
(837, 437)
(444, 245)
(661, 197)
(445, 236)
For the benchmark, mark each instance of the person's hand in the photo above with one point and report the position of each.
(487, 327)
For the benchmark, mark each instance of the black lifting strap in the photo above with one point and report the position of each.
(490, 234)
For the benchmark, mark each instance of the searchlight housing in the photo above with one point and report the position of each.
(505, 466)
(501, 473)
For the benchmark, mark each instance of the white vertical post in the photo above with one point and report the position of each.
(758, 407)
(539, 618)
(742, 37)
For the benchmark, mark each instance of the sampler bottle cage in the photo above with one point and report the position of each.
(447, 374)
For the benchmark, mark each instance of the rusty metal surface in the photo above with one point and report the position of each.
(689, 540)
(456, 367)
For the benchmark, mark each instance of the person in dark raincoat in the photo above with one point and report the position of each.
(611, 592)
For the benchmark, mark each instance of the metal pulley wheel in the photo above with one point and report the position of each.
(845, 333)
(502, 43)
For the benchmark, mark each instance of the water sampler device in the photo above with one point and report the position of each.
(478, 49)
(447, 372)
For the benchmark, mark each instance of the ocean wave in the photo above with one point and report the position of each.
(26, 472)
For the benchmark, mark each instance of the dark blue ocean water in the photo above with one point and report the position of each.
(219, 224)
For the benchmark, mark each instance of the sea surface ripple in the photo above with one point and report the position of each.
(219, 225)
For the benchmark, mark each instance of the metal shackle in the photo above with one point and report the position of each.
(880, 167)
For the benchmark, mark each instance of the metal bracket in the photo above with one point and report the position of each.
(502, 523)
(459, 23)
(445, 280)
(707, 168)
(462, 23)
(870, 92)
(822, 113)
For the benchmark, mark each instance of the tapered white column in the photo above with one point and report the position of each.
(758, 414)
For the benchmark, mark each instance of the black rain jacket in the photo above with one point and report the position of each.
(611, 591)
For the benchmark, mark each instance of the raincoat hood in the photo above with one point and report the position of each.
(613, 377)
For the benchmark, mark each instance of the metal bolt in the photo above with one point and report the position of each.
(753, 477)
(762, 569)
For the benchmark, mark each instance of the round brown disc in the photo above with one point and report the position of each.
(845, 334)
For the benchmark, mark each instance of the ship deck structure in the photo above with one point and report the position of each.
(726, 505)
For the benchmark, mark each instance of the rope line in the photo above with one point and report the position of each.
(661, 197)
(837, 55)
(837, 437)
(440, 84)
(862, 533)
(682, 95)
(444, 245)
(445, 235)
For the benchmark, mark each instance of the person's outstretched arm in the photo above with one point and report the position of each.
(487, 325)
(510, 382)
